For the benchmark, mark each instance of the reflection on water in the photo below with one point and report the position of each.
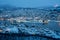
(6, 37)
(52, 26)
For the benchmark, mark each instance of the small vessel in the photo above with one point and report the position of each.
(45, 21)
(1, 30)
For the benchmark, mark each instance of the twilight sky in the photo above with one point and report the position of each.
(30, 3)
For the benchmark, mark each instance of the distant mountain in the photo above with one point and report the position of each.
(21, 11)
(52, 8)
(7, 7)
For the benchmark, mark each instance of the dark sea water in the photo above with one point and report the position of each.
(6, 37)
(51, 25)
